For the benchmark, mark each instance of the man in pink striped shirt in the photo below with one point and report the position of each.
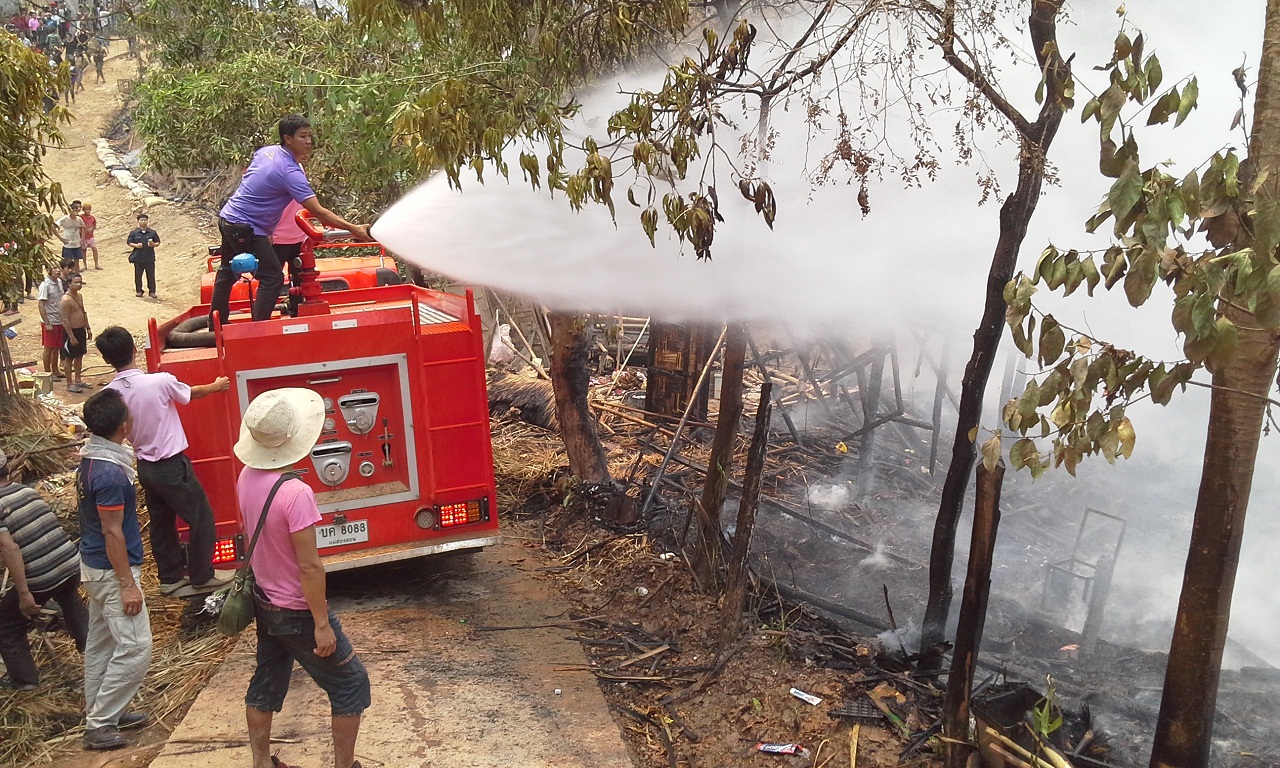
(166, 473)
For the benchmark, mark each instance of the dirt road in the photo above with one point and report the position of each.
(109, 295)
(465, 673)
(447, 690)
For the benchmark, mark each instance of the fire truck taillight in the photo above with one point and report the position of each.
(463, 513)
(225, 551)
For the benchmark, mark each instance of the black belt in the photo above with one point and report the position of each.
(265, 604)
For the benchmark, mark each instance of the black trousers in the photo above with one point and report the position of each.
(149, 269)
(173, 491)
(238, 239)
(14, 646)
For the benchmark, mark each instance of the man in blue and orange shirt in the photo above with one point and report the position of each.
(117, 652)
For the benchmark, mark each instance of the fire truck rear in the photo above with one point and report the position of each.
(404, 466)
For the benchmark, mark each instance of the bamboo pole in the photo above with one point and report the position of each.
(973, 613)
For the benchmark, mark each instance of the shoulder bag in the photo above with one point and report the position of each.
(237, 605)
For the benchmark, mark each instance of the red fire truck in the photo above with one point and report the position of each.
(404, 466)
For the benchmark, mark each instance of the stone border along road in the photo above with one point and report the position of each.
(121, 173)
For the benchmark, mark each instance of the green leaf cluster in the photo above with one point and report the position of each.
(515, 65)
(29, 199)
(226, 72)
(1079, 404)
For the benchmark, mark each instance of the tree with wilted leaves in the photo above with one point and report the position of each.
(28, 197)
(1226, 307)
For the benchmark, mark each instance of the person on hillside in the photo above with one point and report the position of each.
(49, 302)
(117, 653)
(11, 289)
(143, 240)
(98, 52)
(43, 565)
(273, 178)
(294, 623)
(52, 44)
(70, 230)
(75, 324)
(90, 227)
(69, 95)
(168, 479)
(81, 65)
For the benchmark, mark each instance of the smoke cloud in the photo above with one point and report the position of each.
(919, 259)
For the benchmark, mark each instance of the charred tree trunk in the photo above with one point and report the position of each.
(1237, 408)
(735, 593)
(1015, 217)
(708, 560)
(570, 380)
(973, 615)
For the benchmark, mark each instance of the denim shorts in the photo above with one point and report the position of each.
(286, 636)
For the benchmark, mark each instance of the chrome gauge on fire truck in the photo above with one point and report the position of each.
(360, 411)
(332, 462)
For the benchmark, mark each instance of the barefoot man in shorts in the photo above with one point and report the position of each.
(51, 334)
(75, 321)
(90, 245)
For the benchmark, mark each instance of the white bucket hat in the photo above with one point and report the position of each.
(280, 427)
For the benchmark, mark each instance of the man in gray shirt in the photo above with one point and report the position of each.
(44, 565)
(52, 335)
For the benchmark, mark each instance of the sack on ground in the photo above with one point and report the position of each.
(237, 605)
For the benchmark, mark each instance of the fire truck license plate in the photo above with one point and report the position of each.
(350, 532)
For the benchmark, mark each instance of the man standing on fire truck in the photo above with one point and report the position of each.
(274, 177)
(166, 473)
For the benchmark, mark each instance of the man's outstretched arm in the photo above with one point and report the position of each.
(329, 218)
(220, 384)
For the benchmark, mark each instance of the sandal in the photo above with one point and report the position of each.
(278, 763)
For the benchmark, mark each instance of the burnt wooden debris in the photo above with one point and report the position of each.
(847, 497)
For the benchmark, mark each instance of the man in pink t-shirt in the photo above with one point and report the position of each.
(166, 474)
(294, 623)
(287, 238)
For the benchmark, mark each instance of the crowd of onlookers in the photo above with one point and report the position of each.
(61, 34)
(64, 322)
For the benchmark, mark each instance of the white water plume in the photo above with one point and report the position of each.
(920, 258)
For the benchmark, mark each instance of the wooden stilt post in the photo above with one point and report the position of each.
(735, 597)
(973, 615)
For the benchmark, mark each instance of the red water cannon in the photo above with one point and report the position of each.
(308, 288)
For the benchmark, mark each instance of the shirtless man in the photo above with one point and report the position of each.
(75, 321)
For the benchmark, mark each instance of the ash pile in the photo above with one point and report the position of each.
(849, 494)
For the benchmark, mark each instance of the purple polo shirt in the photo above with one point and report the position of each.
(157, 433)
(272, 180)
